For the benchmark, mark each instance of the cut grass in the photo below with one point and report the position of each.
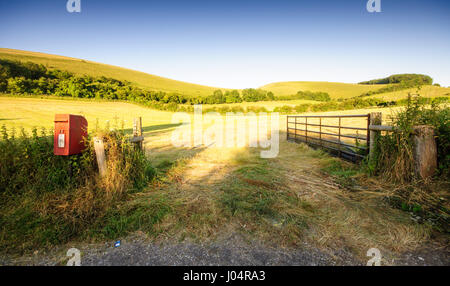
(139, 215)
(340, 170)
(346, 218)
(303, 195)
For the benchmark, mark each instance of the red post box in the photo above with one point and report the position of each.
(70, 134)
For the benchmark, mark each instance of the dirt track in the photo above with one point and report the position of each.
(229, 251)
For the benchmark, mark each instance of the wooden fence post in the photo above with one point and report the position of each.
(99, 148)
(137, 127)
(138, 137)
(375, 119)
(425, 151)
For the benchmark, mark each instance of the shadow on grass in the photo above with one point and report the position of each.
(8, 119)
(160, 127)
(202, 192)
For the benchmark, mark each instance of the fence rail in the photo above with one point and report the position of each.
(300, 130)
(424, 149)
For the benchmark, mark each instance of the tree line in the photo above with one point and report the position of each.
(412, 78)
(355, 103)
(397, 82)
(29, 78)
(308, 95)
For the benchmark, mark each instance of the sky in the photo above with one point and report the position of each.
(240, 44)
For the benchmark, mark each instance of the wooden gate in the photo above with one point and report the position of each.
(338, 137)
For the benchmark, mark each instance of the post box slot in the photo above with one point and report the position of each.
(61, 118)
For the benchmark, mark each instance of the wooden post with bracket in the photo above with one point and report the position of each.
(138, 134)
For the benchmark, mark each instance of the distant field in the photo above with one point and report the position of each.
(334, 89)
(33, 112)
(425, 91)
(269, 105)
(79, 66)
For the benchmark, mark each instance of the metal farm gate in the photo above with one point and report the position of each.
(332, 132)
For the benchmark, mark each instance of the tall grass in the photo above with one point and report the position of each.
(47, 200)
(394, 162)
(395, 149)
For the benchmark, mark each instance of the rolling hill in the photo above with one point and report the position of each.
(152, 82)
(83, 67)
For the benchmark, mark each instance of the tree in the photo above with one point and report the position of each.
(232, 96)
(18, 85)
(216, 98)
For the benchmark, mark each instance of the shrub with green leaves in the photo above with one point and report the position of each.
(47, 199)
(394, 149)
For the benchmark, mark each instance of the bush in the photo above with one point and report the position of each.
(47, 199)
(393, 160)
(394, 156)
(308, 95)
(318, 96)
(253, 95)
(256, 109)
(284, 109)
(232, 97)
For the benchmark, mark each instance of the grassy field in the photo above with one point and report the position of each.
(23, 112)
(84, 67)
(34, 112)
(336, 90)
(301, 196)
(425, 91)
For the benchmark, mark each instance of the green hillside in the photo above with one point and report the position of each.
(334, 89)
(425, 91)
(82, 67)
(151, 82)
